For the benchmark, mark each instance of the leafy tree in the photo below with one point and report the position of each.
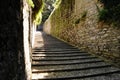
(48, 8)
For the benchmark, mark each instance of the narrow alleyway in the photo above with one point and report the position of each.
(57, 60)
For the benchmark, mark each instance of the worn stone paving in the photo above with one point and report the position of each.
(53, 59)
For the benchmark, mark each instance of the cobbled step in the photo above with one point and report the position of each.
(56, 47)
(69, 69)
(60, 52)
(53, 59)
(94, 64)
(55, 44)
(79, 74)
(59, 55)
(65, 57)
(59, 62)
(72, 60)
(57, 50)
(69, 59)
(63, 63)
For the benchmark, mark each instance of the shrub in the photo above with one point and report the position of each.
(103, 15)
(110, 12)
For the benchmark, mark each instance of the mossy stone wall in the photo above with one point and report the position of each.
(77, 22)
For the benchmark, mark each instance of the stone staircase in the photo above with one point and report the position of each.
(57, 60)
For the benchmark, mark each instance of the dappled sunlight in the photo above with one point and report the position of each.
(42, 58)
(39, 44)
(40, 41)
(39, 55)
(39, 75)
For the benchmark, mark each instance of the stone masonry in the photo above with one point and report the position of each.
(78, 24)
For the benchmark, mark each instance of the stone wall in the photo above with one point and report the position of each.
(27, 38)
(76, 22)
(47, 27)
(14, 54)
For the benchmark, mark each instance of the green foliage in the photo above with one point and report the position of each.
(110, 12)
(110, 3)
(37, 11)
(40, 7)
(30, 2)
(38, 17)
(37, 8)
(57, 3)
(48, 8)
(103, 15)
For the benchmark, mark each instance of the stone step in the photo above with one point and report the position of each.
(77, 51)
(69, 66)
(53, 59)
(57, 52)
(41, 63)
(60, 55)
(54, 50)
(55, 47)
(54, 44)
(36, 70)
(66, 61)
(61, 59)
(78, 74)
(65, 57)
